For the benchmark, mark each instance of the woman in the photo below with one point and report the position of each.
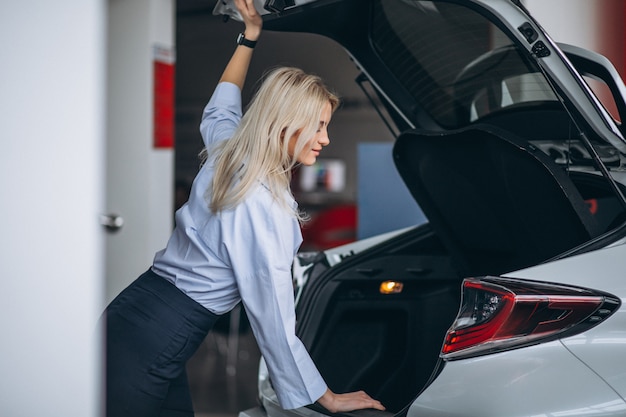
(234, 241)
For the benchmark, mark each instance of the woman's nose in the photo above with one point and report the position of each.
(324, 140)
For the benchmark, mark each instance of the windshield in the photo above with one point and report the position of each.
(457, 65)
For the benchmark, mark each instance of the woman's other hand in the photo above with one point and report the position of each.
(337, 403)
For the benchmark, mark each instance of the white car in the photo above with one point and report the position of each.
(509, 301)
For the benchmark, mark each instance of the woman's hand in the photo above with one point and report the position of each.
(337, 403)
(251, 18)
(237, 68)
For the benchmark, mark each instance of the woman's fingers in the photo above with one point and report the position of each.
(349, 401)
(251, 17)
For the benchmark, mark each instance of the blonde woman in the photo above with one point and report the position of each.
(234, 241)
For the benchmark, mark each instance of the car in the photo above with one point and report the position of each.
(509, 299)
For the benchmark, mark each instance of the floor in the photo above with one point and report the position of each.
(223, 372)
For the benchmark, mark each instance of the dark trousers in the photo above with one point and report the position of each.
(152, 329)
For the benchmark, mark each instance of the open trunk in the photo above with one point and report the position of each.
(385, 344)
(495, 204)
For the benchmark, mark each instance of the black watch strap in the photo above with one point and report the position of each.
(241, 40)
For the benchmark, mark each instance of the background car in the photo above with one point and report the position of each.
(509, 300)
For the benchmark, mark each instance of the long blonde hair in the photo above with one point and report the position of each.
(289, 102)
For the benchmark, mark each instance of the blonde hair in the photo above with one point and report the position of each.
(289, 102)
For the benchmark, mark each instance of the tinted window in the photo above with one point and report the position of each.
(456, 64)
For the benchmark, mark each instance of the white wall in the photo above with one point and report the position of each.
(51, 182)
(139, 176)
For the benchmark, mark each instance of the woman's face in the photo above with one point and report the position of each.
(312, 149)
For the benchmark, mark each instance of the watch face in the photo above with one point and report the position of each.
(240, 38)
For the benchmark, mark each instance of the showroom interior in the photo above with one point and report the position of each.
(81, 89)
(202, 46)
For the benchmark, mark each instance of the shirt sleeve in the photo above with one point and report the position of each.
(222, 114)
(260, 245)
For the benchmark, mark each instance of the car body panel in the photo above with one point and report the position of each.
(504, 376)
(604, 346)
(579, 270)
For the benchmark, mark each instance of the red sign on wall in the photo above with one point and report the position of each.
(163, 110)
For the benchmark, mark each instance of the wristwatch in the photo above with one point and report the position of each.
(241, 40)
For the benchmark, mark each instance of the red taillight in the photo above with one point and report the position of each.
(502, 313)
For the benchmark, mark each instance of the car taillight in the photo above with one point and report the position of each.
(503, 313)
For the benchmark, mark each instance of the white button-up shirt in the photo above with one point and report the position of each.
(243, 254)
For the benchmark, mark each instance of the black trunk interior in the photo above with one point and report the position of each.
(385, 344)
(497, 202)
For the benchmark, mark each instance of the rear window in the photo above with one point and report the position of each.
(456, 64)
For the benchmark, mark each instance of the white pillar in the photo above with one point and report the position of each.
(51, 183)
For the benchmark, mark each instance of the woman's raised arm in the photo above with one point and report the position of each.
(237, 68)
